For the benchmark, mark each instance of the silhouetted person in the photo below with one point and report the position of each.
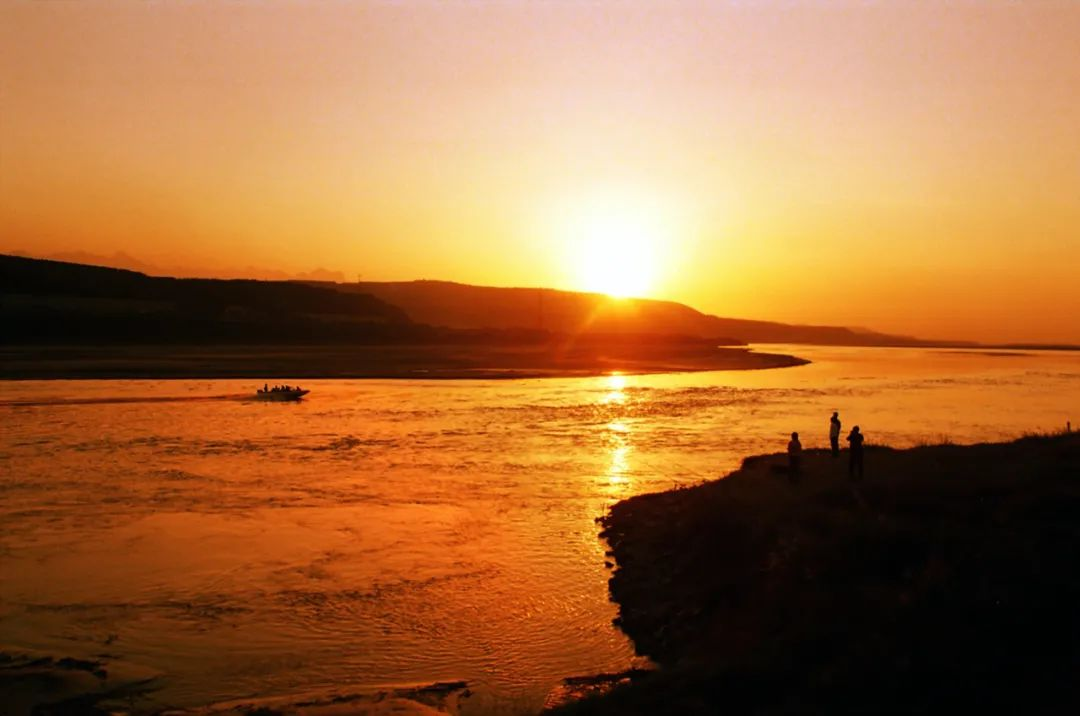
(794, 454)
(834, 434)
(265, 389)
(855, 441)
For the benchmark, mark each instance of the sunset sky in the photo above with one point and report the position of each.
(911, 167)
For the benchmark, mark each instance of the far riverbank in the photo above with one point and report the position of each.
(294, 362)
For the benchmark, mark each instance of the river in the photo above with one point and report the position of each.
(385, 533)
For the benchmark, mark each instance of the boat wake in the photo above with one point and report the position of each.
(118, 401)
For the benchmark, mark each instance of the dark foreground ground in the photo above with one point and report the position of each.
(947, 582)
(378, 361)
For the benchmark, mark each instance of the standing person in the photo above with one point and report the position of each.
(794, 454)
(834, 433)
(855, 441)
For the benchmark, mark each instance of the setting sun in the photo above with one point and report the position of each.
(618, 254)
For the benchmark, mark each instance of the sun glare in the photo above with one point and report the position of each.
(622, 239)
(615, 243)
(618, 256)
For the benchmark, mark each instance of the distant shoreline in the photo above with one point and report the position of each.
(379, 362)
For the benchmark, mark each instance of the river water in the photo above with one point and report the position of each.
(386, 533)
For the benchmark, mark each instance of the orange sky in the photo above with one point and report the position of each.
(908, 166)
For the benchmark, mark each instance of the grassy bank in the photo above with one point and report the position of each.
(945, 582)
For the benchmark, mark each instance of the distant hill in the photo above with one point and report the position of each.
(455, 305)
(65, 320)
(54, 301)
(96, 300)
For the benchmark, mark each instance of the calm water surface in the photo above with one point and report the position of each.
(386, 533)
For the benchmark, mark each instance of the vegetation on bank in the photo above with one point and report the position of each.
(944, 582)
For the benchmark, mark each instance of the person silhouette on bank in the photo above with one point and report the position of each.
(855, 451)
(834, 434)
(794, 455)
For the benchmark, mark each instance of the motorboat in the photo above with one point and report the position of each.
(280, 394)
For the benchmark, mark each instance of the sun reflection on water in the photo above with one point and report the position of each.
(617, 442)
(619, 467)
(616, 384)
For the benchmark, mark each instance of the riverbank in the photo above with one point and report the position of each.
(944, 582)
(383, 361)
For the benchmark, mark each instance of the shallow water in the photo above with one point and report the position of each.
(384, 533)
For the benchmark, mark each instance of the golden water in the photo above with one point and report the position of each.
(384, 533)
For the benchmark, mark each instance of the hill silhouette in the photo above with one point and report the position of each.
(526, 313)
(56, 301)
(456, 305)
(64, 320)
(53, 301)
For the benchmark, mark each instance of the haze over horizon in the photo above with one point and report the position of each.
(910, 168)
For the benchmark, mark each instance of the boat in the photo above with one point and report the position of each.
(281, 394)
